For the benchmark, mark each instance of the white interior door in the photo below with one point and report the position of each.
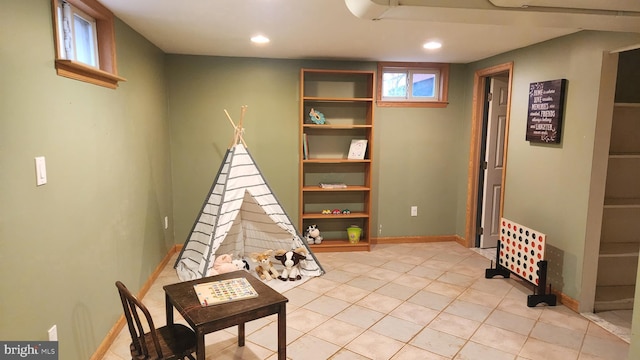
(494, 156)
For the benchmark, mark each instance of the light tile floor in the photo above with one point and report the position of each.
(406, 301)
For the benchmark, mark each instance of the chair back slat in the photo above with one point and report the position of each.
(132, 306)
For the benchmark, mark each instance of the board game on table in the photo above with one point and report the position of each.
(223, 291)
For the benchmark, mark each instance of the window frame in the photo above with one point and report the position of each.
(106, 74)
(441, 72)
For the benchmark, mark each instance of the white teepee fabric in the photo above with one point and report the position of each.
(241, 215)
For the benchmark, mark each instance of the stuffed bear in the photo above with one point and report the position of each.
(312, 235)
(291, 261)
(265, 268)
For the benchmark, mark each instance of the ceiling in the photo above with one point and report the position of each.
(372, 30)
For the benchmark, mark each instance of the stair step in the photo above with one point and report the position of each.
(615, 249)
(617, 265)
(614, 298)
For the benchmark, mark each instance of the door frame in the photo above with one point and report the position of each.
(479, 83)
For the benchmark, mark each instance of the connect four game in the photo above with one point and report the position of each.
(223, 291)
(520, 251)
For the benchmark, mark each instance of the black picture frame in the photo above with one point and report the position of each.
(546, 111)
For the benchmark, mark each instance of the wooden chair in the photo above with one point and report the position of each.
(170, 342)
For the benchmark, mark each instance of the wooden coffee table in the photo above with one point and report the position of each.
(207, 319)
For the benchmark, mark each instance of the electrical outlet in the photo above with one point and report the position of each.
(414, 211)
(166, 222)
(380, 230)
(53, 333)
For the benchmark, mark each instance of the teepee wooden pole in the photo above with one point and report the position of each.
(238, 130)
(241, 128)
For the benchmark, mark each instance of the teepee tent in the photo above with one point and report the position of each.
(240, 215)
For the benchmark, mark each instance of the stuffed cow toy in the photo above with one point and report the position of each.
(291, 262)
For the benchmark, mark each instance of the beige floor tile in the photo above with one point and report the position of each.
(607, 348)
(337, 332)
(515, 306)
(347, 293)
(563, 317)
(305, 320)
(536, 349)
(345, 354)
(379, 302)
(327, 305)
(426, 272)
(405, 301)
(396, 328)
(415, 313)
(319, 285)
(359, 316)
(438, 342)
(412, 281)
(375, 346)
(502, 339)
(454, 325)
(430, 300)
(443, 288)
(409, 352)
(475, 351)
(309, 347)
(396, 291)
(507, 321)
(553, 334)
(468, 310)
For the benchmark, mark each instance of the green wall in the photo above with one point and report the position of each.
(547, 185)
(416, 150)
(118, 161)
(100, 216)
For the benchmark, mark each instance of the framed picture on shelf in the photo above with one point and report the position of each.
(357, 149)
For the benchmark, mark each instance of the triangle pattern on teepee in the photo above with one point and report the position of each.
(241, 215)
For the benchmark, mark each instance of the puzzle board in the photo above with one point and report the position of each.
(223, 291)
(520, 250)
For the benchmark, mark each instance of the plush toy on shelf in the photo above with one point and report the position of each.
(312, 235)
(316, 117)
(291, 262)
(265, 268)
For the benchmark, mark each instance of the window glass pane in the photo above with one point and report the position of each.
(423, 85)
(394, 84)
(83, 31)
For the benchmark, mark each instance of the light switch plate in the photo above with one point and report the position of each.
(41, 171)
(53, 333)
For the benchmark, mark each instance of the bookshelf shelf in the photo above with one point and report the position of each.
(346, 99)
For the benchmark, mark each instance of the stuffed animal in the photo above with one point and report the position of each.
(241, 264)
(265, 268)
(291, 261)
(224, 264)
(316, 117)
(313, 235)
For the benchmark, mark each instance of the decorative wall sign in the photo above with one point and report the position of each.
(546, 107)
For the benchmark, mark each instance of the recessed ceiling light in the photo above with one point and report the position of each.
(260, 39)
(431, 45)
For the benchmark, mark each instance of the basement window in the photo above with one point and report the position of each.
(413, 84)
(85, 42)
